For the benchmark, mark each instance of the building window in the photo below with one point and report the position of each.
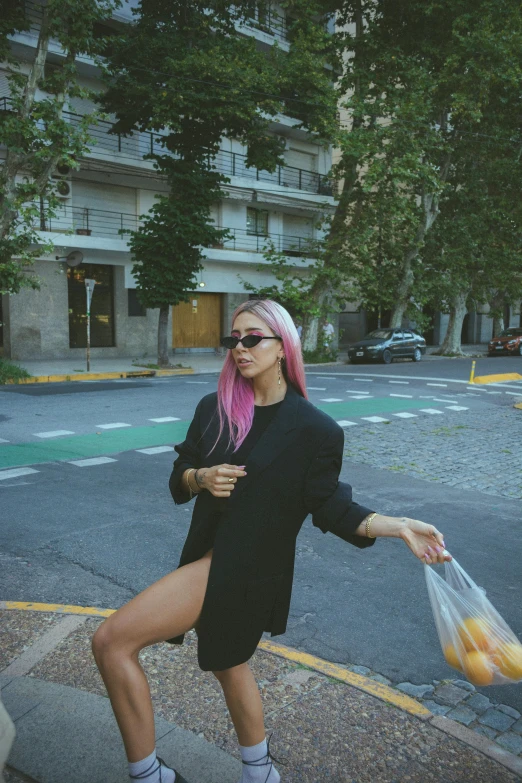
(257, 222)
(102, 306)
(134, 304)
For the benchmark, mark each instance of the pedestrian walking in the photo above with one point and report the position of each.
(328, 334)
(260, 458)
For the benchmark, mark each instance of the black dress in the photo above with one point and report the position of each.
(293, 456)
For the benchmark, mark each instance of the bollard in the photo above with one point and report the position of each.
(472, 375)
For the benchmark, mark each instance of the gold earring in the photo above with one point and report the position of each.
(279, 372)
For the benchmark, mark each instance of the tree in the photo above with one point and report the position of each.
(37, 136)
(187, 68)
(417, 80)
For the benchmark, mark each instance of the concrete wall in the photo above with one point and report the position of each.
(37, 322)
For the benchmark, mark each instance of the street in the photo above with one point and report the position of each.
(87, 516)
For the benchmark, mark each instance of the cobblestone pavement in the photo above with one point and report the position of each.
(479, 449)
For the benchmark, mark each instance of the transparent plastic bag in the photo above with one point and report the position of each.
(474, 638)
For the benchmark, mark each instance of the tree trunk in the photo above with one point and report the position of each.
(452, 340)
(163, 345)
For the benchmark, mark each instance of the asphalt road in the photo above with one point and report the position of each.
(96, 534)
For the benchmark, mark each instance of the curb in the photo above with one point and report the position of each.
(101, 376)
(372, 687)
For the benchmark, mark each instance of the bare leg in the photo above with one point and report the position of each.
(244, 703)
(166, 609)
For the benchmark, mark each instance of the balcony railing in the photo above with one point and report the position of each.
(232, 164)
(268, 21)
(87, 221)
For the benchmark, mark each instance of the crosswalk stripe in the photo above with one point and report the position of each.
(360, 397)
(456, 408)
(436, 384)
(53, 433)
(316, 388)
(86, 463)
(15, 472)
(331, 399)
(346, 423)
(163, 419)
(431, 410)
(112, 426)
(401, 383)
(356, 391)
(405, 415)
(156, 450)
(374, 419)
(406, 396)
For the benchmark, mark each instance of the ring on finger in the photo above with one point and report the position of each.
(231, 479)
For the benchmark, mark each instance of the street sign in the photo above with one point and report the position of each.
(89, 290)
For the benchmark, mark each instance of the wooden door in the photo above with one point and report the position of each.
(199, 325)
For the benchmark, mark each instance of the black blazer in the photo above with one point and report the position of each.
(292, 471)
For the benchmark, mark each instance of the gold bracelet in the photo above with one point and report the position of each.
(369, 520)
(191, 491)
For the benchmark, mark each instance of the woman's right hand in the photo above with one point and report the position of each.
(220, 480)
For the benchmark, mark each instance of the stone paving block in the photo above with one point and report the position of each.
(360, 670)
(450, 694)
(478, 703)
(381, 679)
(511, 742)
(462, 715)
(417, 691)
(517, 726)
(496, 720)
(436, 709)
(486, 731)
(508, 711)
(464, 684)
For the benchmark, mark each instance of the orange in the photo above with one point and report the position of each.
(508, 658)
(475, 634)
(478, 668)
(452, 657)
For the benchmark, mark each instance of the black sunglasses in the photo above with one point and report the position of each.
(248, 340)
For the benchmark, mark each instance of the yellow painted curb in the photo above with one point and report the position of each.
(508, 376)
(102, 376)
(56, 608)
(359, 681)
(518, 405)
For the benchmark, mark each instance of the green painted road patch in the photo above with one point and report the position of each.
(96, 445)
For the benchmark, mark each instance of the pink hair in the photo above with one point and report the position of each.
(235, 393)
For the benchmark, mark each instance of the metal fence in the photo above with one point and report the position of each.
(86, 221)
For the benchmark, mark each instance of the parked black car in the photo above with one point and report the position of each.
(385, 345)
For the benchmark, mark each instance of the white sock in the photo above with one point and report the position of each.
(259, 769)
(148, 770)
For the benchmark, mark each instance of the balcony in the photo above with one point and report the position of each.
(86, 221)
(231, 164)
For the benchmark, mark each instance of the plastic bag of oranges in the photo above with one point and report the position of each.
(474, 638)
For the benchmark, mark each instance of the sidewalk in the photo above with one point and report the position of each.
(193, 362)
(329, 722)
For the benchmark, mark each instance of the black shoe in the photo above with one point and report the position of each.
(179, 776)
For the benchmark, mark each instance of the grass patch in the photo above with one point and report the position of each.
(11, 373)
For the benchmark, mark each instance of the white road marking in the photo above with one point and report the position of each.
(156, 450)
(437, 399)
(53, 434)
(346, 423)
(331, 399)
(408, 396)
(356, 391)
(383, 376)
(316, 388)
(406, 383)
(322, 377)
(15, 472)
(431, 410)
(85, 463)
(197, 382)
(405, 415)
(360, 397)
(374, 419)
(515, 394)
(475, 388)
(112, 426)
(3, 440)
(456, 408)
(364, 380)
(436, 384)
(426, 396)
(164, 419)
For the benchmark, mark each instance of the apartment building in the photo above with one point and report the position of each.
(113, 187)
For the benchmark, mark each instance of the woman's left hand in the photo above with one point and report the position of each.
(425, 541)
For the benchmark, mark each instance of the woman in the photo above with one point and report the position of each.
(260, 458)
